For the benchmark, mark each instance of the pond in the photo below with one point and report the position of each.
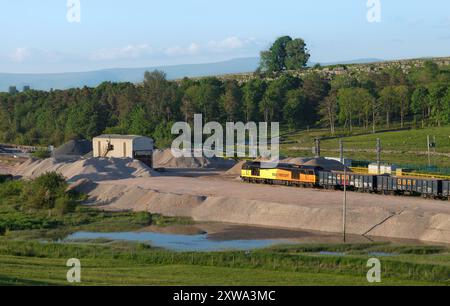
(218, 237)
(178, 242)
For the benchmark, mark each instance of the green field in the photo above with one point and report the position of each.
(44, 271)
(114, 263)
(404, 147)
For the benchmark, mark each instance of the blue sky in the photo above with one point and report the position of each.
(37, 37)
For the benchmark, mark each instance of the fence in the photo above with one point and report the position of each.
(409, 170)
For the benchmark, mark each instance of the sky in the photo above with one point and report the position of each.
(50, 36)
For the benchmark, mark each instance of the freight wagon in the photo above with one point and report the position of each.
(446, 189)
(309, 176)
(354, 181)
(412, 186)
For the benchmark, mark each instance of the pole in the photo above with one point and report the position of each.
(434, 148)
(344, 208)
(341, 151)
(317, 148)
(378, 156)
(429, 152)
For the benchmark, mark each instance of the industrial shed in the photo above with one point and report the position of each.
(124, 146)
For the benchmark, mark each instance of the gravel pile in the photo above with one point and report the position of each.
(94, 169)
(165, 159)
(73, 148)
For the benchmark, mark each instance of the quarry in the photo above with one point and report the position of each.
(210, 190)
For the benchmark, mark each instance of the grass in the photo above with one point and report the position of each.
(18, 220)
(120, 263)
(400, 147)
(44, 271)
(84, 219)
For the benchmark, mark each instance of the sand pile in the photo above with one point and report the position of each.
(73, 148)
(326, 164)
(299, 161)
(82, 185)
(236, 169)
(270, 160)
(165, 159)
(94, 169)
(284, 207)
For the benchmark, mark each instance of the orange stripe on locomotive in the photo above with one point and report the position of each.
(283, 172)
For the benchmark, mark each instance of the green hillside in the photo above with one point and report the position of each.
(403, 147)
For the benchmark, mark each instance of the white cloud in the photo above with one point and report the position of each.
(445, 22)
(229, 43)
(192, 49)
(127, 52)
(27, 58)
(20, 55)
(28, 55)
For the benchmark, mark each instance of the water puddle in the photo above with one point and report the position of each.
(332, 253)
(178, 242)
(382, 254)
(220, 237)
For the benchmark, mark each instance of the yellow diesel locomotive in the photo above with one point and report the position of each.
(281, 174)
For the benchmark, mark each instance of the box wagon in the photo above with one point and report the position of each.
(446, 189)
(356, 181)
(404, 185)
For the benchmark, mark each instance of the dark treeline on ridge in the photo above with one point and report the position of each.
(369, 100)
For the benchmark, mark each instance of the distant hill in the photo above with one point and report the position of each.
(94, 78)
(46, 81)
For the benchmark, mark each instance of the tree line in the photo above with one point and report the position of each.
(368, 100)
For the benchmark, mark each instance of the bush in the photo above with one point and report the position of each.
(64, 204)
(43, 192)
(16, 221)
(10, 189)
(51, 181)
(5, 178)
(38, 199)
(41, 154)
(143, 218)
